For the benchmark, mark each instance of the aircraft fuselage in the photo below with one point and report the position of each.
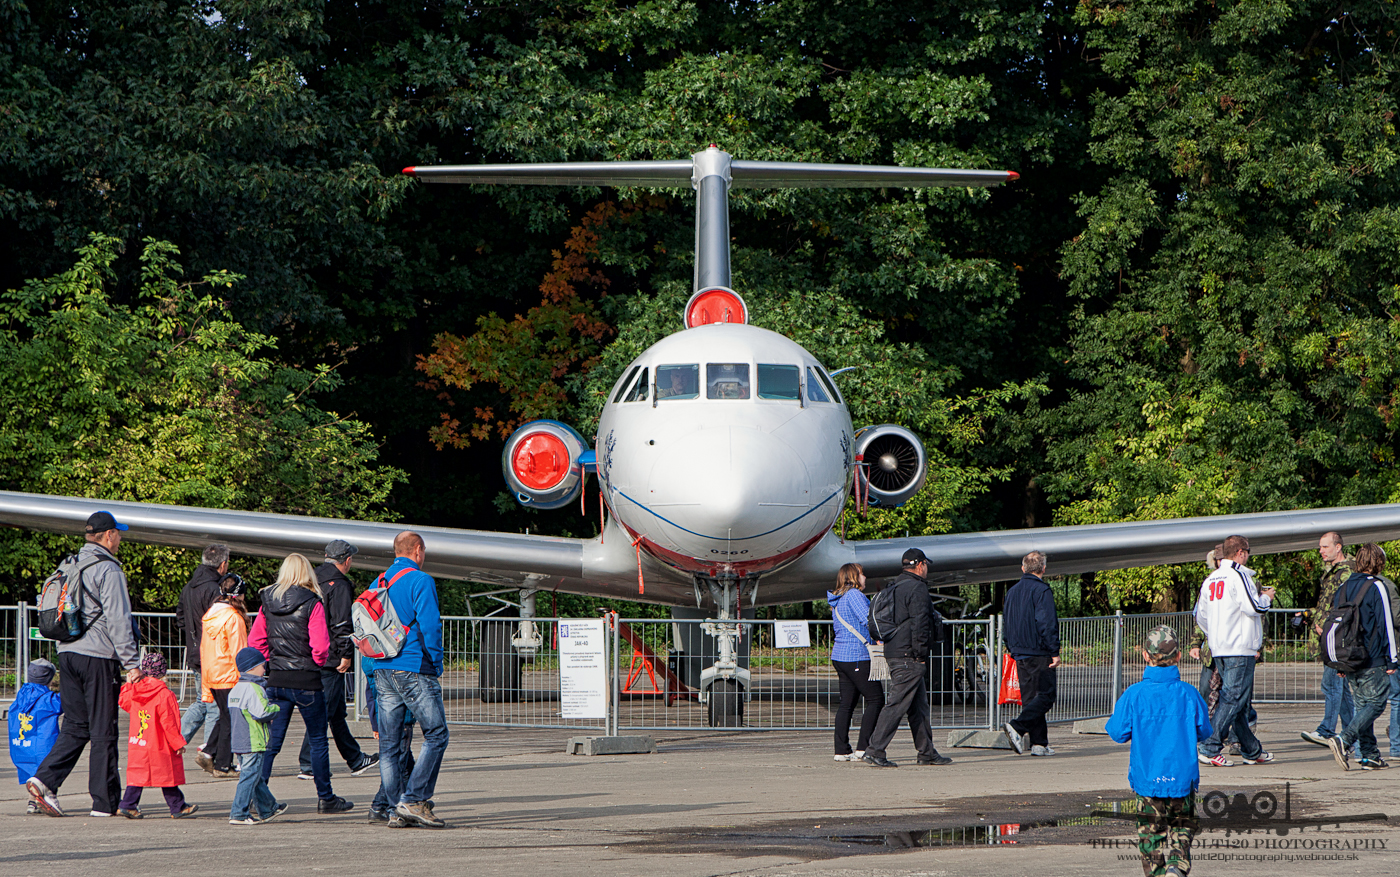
(725, 449)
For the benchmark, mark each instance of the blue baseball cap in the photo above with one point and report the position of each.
(101, 522)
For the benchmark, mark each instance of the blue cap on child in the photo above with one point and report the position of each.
(248, 658)
(40, 671)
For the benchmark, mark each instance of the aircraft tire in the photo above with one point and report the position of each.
(726, 704)
(498, 671)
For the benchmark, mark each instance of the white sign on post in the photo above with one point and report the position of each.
(791, 634)
(583, 679)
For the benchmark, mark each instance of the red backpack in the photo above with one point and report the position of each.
(378, 633)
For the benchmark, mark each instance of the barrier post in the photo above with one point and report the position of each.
(359, 677)
(1117, 656)
(614, 690)
(994, 696)
(22, 644)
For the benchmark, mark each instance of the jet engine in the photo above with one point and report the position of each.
(543, 462)
(891, 464)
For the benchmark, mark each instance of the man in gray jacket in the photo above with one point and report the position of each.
(90, 676)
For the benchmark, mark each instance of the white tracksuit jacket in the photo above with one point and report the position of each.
(1230, 610)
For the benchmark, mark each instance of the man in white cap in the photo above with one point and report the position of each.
(89, 676)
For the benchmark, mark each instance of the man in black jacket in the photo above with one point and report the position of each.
(199, 594)
(337, 596)
(1033, 639)
(902, 616)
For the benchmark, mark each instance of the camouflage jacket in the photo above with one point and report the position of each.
(1333, 578)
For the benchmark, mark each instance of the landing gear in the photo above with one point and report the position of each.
(499, 674)
(505, 647)
(724, 685)
(726, 704)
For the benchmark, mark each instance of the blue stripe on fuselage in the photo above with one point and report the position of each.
(727, 538)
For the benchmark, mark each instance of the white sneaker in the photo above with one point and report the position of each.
(1314, 737)
(840, 757)
(1015, 738)
(99, 813)
(1041, 750)
(305, 776)
(857, 755)
(246, 821)
(44, 797)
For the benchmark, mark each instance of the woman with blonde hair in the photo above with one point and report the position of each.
(291, 632)
(850, 610)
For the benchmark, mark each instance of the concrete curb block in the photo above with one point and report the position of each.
(978, 740)
(1090, 726)
(640, 745)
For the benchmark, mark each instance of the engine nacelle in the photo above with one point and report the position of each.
(543, 463)
(894, 464)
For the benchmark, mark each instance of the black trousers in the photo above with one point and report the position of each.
(333, 686)
(1037, 697)
(908, 695)
(221, 744)
(855, 682)
(88, 688)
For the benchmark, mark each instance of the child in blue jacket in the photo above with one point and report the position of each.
(1164, 718)
(34, 723)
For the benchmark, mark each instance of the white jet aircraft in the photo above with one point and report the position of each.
(724, 455)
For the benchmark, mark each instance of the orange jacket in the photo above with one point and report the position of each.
(225, 632)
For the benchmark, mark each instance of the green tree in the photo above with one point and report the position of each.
(1236, 335)
(166, 400)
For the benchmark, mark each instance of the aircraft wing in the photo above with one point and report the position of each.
(489, 557)
(996, 555)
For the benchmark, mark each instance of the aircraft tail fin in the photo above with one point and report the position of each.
(712, 173)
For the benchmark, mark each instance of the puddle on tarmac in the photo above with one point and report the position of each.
(985, 833)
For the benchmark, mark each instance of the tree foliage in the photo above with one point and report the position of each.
(1236, 335)
(166, 400)
(1185, 306)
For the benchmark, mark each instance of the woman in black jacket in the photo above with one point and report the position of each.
(291, 632)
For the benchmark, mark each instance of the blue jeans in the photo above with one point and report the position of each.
(381, 799)
(252, 792)
(1336, 703)
(397, 690)
(312, 706)
(1395, 714)
(1370, 687)
(199, 714)
(1232, 709)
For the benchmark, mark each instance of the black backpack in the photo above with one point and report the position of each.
(882, 624)
(1343, 641)
(61, 602)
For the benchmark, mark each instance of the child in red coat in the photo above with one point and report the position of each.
(154, 748)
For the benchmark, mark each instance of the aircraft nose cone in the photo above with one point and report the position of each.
(730, 482)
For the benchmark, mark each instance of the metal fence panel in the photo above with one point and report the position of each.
(789, 688)
(11, 647)
(487, 682)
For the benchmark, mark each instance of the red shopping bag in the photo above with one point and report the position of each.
(1010, 684)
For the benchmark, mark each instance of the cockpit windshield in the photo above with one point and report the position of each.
(727, 380)
(815, 392)
(677, 382)
(638, 392)
(778, 382)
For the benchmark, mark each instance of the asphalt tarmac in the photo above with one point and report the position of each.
(771, 803)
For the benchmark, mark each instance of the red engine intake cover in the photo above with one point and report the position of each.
(541, 461)
(715, 305)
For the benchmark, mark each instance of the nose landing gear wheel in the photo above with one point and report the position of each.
(726, 704)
